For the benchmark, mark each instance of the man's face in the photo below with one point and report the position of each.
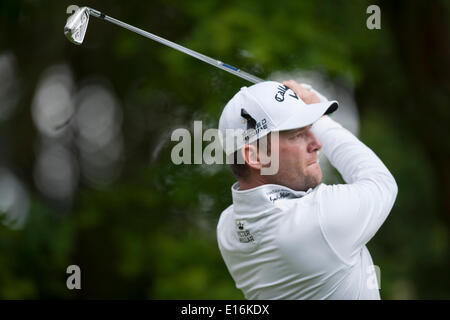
(298, 160)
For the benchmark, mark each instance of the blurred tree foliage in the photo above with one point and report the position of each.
(151, 233)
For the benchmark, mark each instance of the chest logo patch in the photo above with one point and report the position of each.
(243, 234)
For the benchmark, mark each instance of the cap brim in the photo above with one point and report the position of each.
(304, 118)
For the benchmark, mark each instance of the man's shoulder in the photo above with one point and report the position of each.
(227, 210)
(225, 215)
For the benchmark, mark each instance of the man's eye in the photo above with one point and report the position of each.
(303, 133)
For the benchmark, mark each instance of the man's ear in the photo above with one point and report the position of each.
(251, 157)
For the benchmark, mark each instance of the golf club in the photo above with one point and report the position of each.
(76, 26)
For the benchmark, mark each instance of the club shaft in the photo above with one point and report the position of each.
(192, 53)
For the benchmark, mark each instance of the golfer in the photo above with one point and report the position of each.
(287, 235)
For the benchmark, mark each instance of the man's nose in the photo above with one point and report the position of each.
(315, 144)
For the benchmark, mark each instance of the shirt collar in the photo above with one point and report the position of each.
(262, 197)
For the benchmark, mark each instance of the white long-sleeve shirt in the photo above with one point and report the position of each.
(279, 243)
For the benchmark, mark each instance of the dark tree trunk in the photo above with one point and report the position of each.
(421, 34)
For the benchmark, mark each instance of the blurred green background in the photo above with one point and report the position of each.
(102, 192)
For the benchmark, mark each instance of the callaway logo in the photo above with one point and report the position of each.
(279, 96)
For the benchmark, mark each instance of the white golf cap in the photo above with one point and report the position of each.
(264, 107)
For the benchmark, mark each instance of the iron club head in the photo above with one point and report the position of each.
(76, 25)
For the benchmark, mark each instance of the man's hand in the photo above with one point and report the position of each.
(305, 94)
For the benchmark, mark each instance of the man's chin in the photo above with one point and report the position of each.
(312, 181)
(304, 183)
(312, 184)
(309, 182)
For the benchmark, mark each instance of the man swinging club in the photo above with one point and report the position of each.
(287, 235)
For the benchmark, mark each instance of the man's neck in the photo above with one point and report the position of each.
(250, 184)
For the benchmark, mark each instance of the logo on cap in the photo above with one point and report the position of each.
(279, 96)
(253, 127)
(251, 123)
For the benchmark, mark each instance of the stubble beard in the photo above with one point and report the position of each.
(310, 182)
(304, 183)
